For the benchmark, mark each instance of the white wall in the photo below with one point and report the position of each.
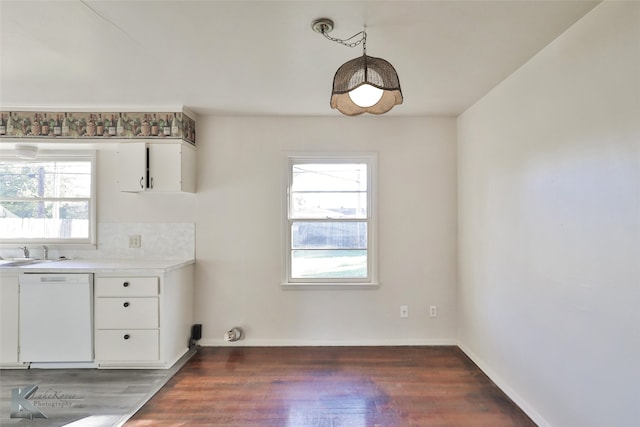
(549, 200)
(238, 232)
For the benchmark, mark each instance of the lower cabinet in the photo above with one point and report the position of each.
(9, 294)
(143, 321)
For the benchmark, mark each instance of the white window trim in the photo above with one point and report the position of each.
(70, 243)
(371, 158)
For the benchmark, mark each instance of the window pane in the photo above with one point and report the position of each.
(40, 219)
(329, 235)
(329, 211)
(329, 177)
(329, 264)
(329, 205)
(49, 179)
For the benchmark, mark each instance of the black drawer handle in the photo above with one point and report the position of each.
(127, 336)
(125, 284)
(126, 304)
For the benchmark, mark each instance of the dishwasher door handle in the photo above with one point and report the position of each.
(57, 279)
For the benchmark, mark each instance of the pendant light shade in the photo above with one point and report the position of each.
(365, 70)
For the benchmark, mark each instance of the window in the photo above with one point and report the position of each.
(329, 232)
(49, 199)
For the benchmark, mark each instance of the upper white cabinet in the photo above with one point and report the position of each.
(172, 167)
(132, 166)
(157, 166)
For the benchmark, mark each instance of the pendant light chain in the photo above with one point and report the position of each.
(346, 42)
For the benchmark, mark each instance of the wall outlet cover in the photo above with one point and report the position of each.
(135, 241)
(404, 311)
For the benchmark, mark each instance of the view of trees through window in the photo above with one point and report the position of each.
(45, 199)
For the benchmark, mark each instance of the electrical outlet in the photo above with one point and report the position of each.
(404, 311)
(433, 311)
(135, 241)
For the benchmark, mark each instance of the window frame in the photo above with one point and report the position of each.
(295, 158)
(62, 155)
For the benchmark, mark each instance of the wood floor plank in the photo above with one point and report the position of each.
(330, 386)
(69, 395)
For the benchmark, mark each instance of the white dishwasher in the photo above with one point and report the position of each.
(56, 319)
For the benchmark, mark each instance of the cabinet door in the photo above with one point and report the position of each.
(188, 165)
(132, 166)
(165, 167)
(9, 320)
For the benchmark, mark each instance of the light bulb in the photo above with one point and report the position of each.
(365, 95)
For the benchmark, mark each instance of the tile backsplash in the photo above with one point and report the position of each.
(157, 241)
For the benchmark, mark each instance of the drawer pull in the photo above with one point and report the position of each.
(125, 284)
(126, 304)
(126, 336)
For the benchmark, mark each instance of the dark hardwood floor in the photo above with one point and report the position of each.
(330, 386)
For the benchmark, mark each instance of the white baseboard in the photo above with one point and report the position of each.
(63, 365)
(323, 343)
(502, 385)
(14, 366)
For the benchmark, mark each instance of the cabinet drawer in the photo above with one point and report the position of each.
(122, 313)
(127, 345)
(126, 286)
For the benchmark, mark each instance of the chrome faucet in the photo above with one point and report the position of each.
(25, 251)
(45, 252)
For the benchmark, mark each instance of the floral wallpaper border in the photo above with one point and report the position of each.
(97, 125)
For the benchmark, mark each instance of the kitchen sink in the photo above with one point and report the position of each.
(16, 262)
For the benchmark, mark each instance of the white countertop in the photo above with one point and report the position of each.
(99, 265)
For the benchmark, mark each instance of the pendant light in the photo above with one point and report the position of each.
(364, 84)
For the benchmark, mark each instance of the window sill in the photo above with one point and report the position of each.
(10, 243)
(315, 286)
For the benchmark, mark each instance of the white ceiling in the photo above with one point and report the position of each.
(261, 57)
